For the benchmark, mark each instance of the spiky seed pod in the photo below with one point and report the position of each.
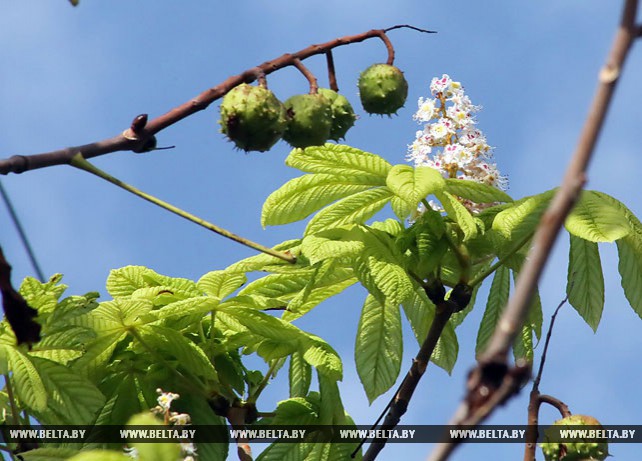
(310, 120)
(582, 450)
(383, 89)
(252, 117)
(343, 116)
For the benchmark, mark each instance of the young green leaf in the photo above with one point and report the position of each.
(630, 268)
(585, 287)
(476, 191)
(356, 208)
(340, 242)
(497, 299)
(446, 350)
(339, 160)
(379, 347)
(598, 218)
(300, 375)
(306, 194)
(220, 284)
(518, 221)
(27, 382)
(412, 185)
(72, 398)
(458, 213)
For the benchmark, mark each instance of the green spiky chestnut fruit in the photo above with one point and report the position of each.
(310, 120)
(343, 116)
(383, 89)
(581, 450)
(252, 117)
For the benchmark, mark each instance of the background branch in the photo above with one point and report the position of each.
(137, 141)
(496, 355)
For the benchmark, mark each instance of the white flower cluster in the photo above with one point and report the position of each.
(165, 400)
(450, 141)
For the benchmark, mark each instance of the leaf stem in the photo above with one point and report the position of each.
(81, 163)
(15, 414)
(264, 382)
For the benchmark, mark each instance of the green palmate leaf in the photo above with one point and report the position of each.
(27, 382)
(220, 284)
(520, 220)
(356, 208)
(523, 345)
(72, 398)
(297, 411)
(302, 451)
(274, 338)
(630, 268)
(379, 347)
(169, 342)
(126, 280)
(51, 454)
(476, 191)
(192, 307)
(458, 213)
(339, 242)
(281, 286)
(123, 401)
(411, 185)
(306, 194)
(497, 299)
(202, 415)
(447, 349)
(585, 288)
(300, 375)
(380, 268)
(268, 263)
(97, 354)
(420, 312)
(598, 218)
(42, 296)
(63, 346)
(339, 160)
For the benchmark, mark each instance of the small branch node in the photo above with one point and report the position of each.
(609, 74)
(138, 124)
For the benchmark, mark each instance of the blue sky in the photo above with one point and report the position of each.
(76, 75)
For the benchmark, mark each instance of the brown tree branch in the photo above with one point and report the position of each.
(139, 140)
(458, 300)
(512, 319)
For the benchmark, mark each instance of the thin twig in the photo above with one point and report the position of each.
(535, 398)
(130, 141)
(312, 80)
(515, 312)
(332, 75)
(79, 162)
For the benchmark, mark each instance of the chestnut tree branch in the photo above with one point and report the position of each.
(139, 140)
(495, 357)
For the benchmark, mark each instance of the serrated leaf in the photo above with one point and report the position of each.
(333, 243)
(380, 268)
(265, 262)
(221, 283)
(188, 307)
(63, 346)
(42, 296)
(279, 338)
(172, 343)
(519, 220)
(458, 213)
(356, 208)
(296, 411)
(126, 280)
(281, 286)
(412, 185)
(300, 376)
(379, 347)
(598, 219)
(497, 299)
(27, 382)
(339, 159)
(97, 354)
(585, 287)
(476, 192)
(72, 398)
(302, 196)
(630, 268)
(420, 312)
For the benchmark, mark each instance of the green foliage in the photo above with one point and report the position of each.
(101, 362)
